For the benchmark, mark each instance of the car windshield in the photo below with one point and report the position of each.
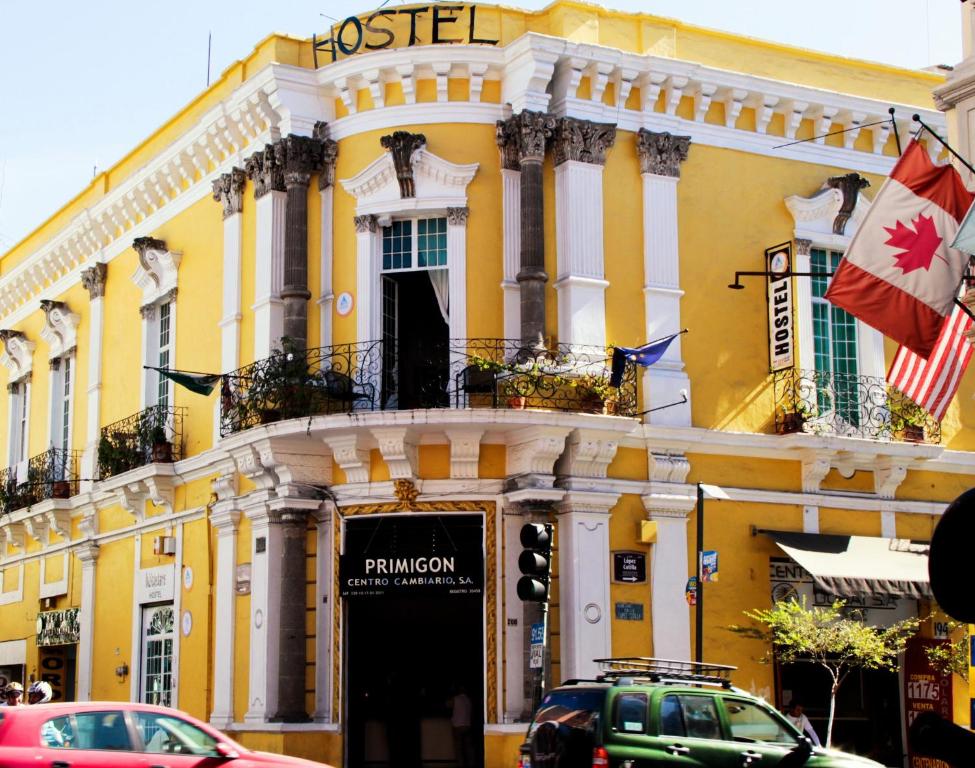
(751, 722)
(574, 708)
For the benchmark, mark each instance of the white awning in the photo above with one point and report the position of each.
(860, 565)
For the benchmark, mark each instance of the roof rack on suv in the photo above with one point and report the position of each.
(646, 668)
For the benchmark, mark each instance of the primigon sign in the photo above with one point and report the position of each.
(781, 323)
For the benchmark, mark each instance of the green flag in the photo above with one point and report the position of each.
(201, 383)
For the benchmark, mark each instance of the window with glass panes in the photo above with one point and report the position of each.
(834, 344)
(415, 244)
(165, 350)
(65, 402)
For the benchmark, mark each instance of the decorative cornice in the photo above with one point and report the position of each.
(365, 223)
(402, 145)
(849, 186)
(299, 157)
(457, 217)
(93, 280)
(263, 169)
(661, 153)
(60, 330)
(330, 151)
(228, 190)
(582, 141)
(803, 246)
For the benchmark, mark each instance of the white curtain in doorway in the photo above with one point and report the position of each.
(438, 279)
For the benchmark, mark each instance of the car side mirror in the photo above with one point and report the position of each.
(226, 751)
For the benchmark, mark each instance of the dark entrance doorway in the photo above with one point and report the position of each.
(415, 334)
(414, 649)
(868, 711)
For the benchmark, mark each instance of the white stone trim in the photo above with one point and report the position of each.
(13, 652)
(14, 595)
(511, 250)
(326, 295)
(324, 533)
(54, 588)
(225, 520)
(17, 356)
(268, 307)
(60, 331)
(157, 275)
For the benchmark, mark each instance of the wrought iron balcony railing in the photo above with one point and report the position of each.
(827, 403)
(151, 435)
(50, 475)
(464, 373)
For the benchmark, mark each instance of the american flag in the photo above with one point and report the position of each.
(932, 383)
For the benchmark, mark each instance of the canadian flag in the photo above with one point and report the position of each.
(900, 273)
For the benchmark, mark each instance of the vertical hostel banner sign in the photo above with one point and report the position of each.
(781, 323)
(925, 690)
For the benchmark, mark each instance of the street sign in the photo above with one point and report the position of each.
(629, 567)
(536, 657)
(538, 633)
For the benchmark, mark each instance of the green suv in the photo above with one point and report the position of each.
(656, 713)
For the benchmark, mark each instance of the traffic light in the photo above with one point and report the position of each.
(535, 562)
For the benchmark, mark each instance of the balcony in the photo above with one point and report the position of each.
(49, 475)
(464, 373)
(824, 403)
(151, 435)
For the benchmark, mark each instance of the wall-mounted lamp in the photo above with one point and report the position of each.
(122, 671)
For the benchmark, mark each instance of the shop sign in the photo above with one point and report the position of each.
(435, 24)
(156, 585)
(630, 567)
(790, 581)
(375, 574)
(54, 663)
(629, 611)
(925, 690)
(58, 627)
(781, 324)
(709, 565)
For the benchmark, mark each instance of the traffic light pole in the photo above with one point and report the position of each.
(699, 607)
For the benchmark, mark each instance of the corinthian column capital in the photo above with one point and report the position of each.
(228, 190)
(299, 157)
(93, 280)
(330, 151)
(534, 131)
(402, 145)
(661, 153)
(582, 141)
(506, 135)
(263, 170)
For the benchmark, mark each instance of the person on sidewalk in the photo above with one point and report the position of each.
(800, 721)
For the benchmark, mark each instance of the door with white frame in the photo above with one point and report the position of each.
(156, 668)
(415, 313)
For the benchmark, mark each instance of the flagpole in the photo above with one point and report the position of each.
(945, 144)
(897, 137)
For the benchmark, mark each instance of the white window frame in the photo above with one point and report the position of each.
(414, 244)
(18, 443)
(146, 612)
(63, 379)
(151, 331)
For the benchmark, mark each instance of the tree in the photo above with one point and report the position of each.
(951, 658)
(828, 637)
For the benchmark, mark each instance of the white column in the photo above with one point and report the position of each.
(93, 279)
(367, 302)
(660, 157)
(326, 295)
(803, 302)
(584, 569)
(230, 322)
(457, 271)
(87, 554)
(511, 249)
(580, 283)
(268, 307)
(262, 695)
(323, 616)
(669, 571)
(224, 519)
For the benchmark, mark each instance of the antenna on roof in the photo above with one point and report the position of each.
(209, 42)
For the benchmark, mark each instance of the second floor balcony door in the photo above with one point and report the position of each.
(414, 314)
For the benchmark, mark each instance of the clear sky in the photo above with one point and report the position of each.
(82, 82)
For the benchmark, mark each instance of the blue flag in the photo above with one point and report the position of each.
(646, 355)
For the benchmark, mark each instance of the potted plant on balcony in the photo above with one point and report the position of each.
(793, 419)
(908, 423)
(595, 393)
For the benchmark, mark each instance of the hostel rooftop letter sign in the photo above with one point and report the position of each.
(432, 24)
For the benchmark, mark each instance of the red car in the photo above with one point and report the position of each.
(114, 734)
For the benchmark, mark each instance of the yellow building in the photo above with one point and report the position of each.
(449, 213)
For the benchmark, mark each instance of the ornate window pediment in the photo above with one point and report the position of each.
(158, 268)
(60, 330)
(17, 355)
(832, 215)
(438, 183)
